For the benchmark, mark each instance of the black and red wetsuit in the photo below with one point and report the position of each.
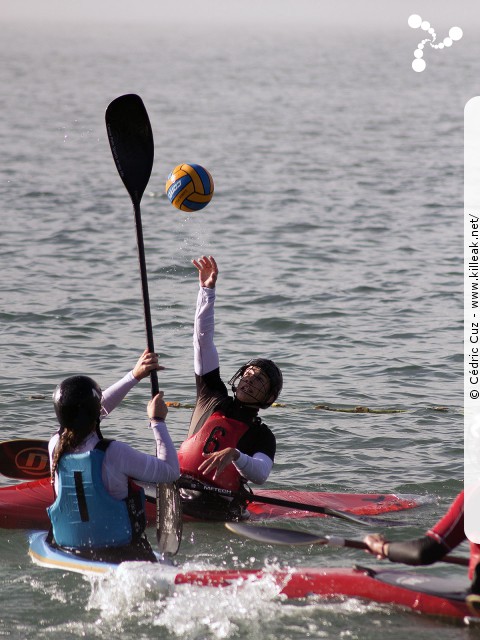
(444, 536)
(218, 420)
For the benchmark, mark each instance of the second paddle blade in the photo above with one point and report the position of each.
(25, 459)
(274, 535)
(131, 141)
(169, 519)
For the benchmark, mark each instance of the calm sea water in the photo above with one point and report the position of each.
(337, 227)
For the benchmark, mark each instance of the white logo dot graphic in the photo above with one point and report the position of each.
(455, 33)
(416, 22)
(419, 64)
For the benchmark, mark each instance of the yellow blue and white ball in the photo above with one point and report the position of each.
(189, 187)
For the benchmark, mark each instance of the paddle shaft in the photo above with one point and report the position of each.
(145, 294)
(358, 544)
(289, 504)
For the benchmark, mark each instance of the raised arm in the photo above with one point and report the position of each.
(144, 467)
(166, 452)
(113, 395)
(205, 352)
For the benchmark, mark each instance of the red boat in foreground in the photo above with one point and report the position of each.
(419, 592)
(416, 591)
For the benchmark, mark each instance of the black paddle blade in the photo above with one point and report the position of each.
(274, 535)
(169, 519)
(131, 141)
(293, 537)
(24, 459)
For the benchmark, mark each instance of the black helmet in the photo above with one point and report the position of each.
(271, 370)
(78, 402)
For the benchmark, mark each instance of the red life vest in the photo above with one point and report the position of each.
(218, 432)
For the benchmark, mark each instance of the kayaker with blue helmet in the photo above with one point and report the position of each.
(227, 443)
(99, 510)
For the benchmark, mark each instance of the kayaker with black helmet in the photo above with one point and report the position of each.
(227, 443)
(99, 511)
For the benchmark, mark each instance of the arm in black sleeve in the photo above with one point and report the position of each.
(424, 550)
(211, 383)
(211, 391)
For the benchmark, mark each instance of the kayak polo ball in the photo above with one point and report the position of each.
(189, 187)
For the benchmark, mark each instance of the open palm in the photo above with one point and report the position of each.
(207, 271)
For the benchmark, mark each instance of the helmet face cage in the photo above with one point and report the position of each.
(78, 402)
(273, 373)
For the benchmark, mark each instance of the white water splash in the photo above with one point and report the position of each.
(148, 596)
(129, 588)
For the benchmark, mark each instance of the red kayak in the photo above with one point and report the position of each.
(419, 592)
(23, 506)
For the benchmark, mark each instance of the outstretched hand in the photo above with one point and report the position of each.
(207, 271)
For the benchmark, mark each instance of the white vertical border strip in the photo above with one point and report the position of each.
(472, 318)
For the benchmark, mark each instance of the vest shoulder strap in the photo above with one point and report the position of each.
(102, 445)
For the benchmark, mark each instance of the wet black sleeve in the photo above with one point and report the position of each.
(211, 392)
(424, 550)
(211, 384)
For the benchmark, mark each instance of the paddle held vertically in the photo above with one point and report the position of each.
(131, 141)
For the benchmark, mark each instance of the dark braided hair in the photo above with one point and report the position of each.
(68, 442)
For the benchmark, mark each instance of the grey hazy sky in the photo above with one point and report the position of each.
(371, 13)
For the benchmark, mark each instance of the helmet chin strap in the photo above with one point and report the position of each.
(253, 405)
(245, 404)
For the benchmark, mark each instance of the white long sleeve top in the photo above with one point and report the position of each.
(123, 461)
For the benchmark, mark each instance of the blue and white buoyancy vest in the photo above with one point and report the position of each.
(84, 514)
